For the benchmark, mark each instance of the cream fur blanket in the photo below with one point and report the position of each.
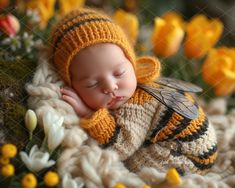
(101, 168)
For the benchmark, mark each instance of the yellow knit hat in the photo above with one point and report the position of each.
(82, 28)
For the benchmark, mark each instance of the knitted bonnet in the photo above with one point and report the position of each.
(82, 28)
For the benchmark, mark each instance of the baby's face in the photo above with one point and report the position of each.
(102, 76)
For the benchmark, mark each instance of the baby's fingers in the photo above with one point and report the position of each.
(69, 92)
(74, 103)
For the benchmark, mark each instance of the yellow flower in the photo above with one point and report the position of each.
(174, 18)
(4, 160)
(129, 23)
(201, 35)
(9, 150)
(45, 10)
(119, 185)
(173, 177)
(51, 179)
(29, 181)
(8, 170)
(218, 70)
(68, 5)
(167, 35)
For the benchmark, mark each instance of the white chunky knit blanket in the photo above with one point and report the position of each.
(101, 168)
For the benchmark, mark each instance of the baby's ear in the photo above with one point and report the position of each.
(147, 69)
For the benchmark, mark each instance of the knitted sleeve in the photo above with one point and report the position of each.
(101, 126)
(125, 130)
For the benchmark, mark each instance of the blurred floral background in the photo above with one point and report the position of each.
(194, 41)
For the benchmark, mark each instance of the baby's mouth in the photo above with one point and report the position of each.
(115, 99)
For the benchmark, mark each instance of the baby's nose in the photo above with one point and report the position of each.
(110, 87)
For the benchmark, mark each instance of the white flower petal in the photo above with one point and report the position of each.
(46, 122)
(68, 182)
(24, 157)
(36, 160)
(79, 182)
(33, 150)
(60, 121)
(55, 137)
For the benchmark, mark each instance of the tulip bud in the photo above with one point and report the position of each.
(30, 121)
(9, 24)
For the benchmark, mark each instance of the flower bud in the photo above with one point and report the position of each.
(30, 120)
(9, 24)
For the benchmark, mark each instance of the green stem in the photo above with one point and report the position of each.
(44, 146)
(30, 135)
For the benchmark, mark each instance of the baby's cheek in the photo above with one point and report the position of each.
(95, 101)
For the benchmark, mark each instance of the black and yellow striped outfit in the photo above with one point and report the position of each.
(144, 132)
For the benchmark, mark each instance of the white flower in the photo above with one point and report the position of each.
(68, 182)
(33, 15)
(13, 42)
(53, 130)
(36, 160)
(28, 41)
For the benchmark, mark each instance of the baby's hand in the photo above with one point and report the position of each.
(71, 97)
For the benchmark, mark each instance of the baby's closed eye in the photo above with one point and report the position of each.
(119, 72)
(92, 84)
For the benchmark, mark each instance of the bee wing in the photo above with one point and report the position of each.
(173, 100)
(178, 85)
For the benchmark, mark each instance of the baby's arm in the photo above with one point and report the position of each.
(70, 96)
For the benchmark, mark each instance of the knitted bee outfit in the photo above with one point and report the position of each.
(143, 131)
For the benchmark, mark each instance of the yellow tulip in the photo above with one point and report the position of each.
(174, 18)
(45, 10)
(67, 5)
(218, 70)
(167, 36)
(201, 35)
(129, 23)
